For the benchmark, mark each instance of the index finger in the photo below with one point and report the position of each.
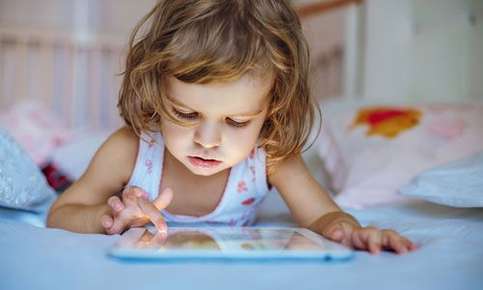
(152, 212)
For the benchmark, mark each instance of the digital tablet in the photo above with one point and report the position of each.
(227, 243)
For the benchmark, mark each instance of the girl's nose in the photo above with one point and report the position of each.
(207, 135)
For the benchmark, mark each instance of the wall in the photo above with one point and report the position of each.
(430, 49)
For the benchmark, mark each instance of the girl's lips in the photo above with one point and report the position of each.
(205, 163)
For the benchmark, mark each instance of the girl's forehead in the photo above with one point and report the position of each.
(248, 94)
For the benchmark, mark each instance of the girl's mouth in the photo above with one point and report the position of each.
(204, 163)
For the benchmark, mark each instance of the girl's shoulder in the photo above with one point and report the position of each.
(123, 140)
(120, 149)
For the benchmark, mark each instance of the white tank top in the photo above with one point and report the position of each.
(245, 189)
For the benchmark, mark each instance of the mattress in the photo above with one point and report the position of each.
(450, 257)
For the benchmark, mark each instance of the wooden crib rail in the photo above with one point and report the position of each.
(75, 78)
(319, 7)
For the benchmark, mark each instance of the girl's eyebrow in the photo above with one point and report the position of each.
(249, 114)
(180, 104)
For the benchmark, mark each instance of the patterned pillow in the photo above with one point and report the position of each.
(22, 184)
(37, 129)
(371, 149)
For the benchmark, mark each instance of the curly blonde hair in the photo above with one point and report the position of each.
(204, 41)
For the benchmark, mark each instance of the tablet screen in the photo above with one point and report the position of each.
(235, 242)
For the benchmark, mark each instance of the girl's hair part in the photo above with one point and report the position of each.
(204, 41)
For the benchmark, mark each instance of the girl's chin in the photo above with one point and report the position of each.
(204, 172)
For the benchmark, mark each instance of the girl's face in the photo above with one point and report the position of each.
(223, 122)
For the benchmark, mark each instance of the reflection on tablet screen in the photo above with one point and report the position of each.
(221, 239)
(190, 240)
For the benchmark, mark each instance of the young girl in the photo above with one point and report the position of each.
(217, 110)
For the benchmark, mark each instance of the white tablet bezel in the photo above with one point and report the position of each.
(331, 250)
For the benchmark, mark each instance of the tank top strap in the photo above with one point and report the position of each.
(260, 163)
(148, 168)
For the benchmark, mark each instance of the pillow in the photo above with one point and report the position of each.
(73, 157)
(457, 184)
(35, 128)
(22, 185)
(371, 149)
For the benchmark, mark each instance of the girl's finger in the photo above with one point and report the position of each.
(131, 194)
(356, 241)
(348, 230)
(106, 221)
(118, 225)
(115, 203)
(364, 235)
(409, 245)
(396, 244)
(164, 199)
(386, 238)
(138, 192)
(139, 221)
(336, 234)
(374, 241)
(152, 212)
(159, 239)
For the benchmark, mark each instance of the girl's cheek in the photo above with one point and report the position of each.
(241, 141)
(176, 132)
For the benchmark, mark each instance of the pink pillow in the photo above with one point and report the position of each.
(35, 128)
(372, 149)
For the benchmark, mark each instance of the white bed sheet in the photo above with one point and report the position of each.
(450, 257)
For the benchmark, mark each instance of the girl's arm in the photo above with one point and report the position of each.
(82, 205)
(305, 198)
(313, 208)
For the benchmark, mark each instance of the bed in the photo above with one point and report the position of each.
(450, 254)
(450, 257)
(34, 257)
(450, 237)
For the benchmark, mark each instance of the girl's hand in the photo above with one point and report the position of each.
(369, 238)
(135, 210)
(151, 241)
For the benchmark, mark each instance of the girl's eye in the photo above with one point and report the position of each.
(236, 124)
(194, 115)
(186, 116)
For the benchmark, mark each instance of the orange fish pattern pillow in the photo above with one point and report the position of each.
(372, 149)
(387, 121)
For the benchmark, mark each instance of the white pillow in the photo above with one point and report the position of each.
(22, 184)
(457, 184)
(73, 158)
